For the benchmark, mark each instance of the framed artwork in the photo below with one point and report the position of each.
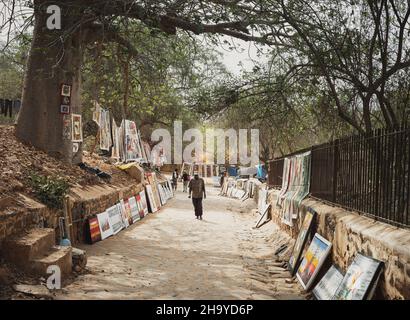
(95, 232)
(141, 213)
(134, 208)
(115, 219)
(66, 100)
(151, 199)
(77, 128)
(124, 214)
(76, 147)
(313, 260)
(105, 225)
(66, 90)
(305, 231)
(327, 286)
(144, 203)
(67, 127)
(360, 280)
(64, 109)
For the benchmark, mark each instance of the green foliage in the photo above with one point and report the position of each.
(49, 190)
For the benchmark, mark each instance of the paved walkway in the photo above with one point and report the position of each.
(171, 255)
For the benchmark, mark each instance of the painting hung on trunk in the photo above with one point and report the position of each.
(313, 260)
(132, 149)
(301, 240)
(77, 128)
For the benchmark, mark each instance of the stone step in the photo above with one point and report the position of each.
(22, 249)
(56, 256)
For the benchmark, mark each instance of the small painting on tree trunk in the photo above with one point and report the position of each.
(64, 109)
(77, 128)
(67, 127)
(65, 100)
(66, 90)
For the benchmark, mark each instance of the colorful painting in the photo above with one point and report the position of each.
(132, 145)
(77, 128)
(95, 232)
(141, 212)
(124, 214)
(105, 225)
(360, 280)
(105, 130)
(301, 240)
(67, 125)
(313, 260)
(115, 219)
(327, 286)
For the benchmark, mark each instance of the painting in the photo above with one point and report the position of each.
(144, 203)
(66, 90)
(67, 124)
(65, 109)
(77, 128)
(124, 214)
(65, 100)
(134, 208)
(105, 225)
(313, 260)
(360, 280)
(95, 232)
(151, 199)
(132, 145)
(327, 286)
(141, 212)
(305, 231)
(115, 219)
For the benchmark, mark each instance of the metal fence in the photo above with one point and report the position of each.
(369, 174)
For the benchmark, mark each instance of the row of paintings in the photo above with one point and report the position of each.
(359, 282)
(128, 211)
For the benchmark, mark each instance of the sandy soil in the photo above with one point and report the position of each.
(171, 255)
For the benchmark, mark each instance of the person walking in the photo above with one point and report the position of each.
(185, 181)
(197, 190)
(175, 176)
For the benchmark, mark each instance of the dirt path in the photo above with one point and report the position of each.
(171, 255)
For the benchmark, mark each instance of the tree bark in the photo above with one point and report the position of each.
(55, 58)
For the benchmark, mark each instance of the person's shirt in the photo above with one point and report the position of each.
(174, 175)
(197, 186)
(185, 177)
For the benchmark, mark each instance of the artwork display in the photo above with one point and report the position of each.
(66, 90)
(95, 232)
(151, 199)
(141, 212)
(76, 147)
(134, 209)
(65, 109)
(67, 125)
(105, 225)
(144, 202)
(162, 194)
(115, 153)
(77, 128)
(105, 130)
(313, 260)
(301, 240)
(327, 286)
(360, 280)
(66, 100)
(132, 149)
(295, 186)
(115, 219)
(124, 214)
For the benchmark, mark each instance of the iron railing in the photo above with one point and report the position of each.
(368, 174)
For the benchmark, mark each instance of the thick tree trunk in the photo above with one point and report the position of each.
(55, 59)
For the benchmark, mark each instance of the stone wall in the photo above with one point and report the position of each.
(351, 233)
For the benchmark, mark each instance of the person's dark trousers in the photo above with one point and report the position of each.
(2, 106)
(8, 108)
(198, 206)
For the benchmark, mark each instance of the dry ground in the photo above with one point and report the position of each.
(171, 255)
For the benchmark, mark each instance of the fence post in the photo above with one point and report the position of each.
(335, 169)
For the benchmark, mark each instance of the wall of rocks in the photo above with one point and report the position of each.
(351, 233)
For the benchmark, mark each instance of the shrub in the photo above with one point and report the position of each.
(49, 190)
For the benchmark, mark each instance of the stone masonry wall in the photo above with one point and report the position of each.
(351, 233)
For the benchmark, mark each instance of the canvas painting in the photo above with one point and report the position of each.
(95, 232)
(105, 130)
(141, 213)
(115, 219)
(124, 214)
(66, 90)
(77, 128)
(144, 203)
(327, 286)
(134, 209)
(151, 199)
(105, 225)
(313, 260)
(132, 149)
(301, 240)
(360, 280)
